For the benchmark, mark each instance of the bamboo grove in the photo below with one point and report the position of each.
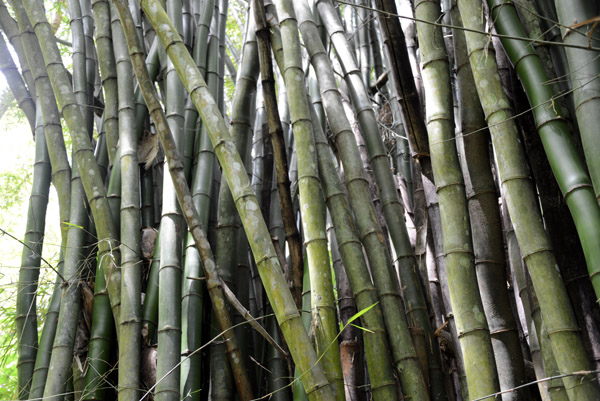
(311, 199)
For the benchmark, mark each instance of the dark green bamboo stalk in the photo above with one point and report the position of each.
(584, 67)
(311, 204)
(275, 285)
(26, 314)
(486, 225)
(522, 204)
(16, 84)
(79, 77)
(184, 195)
(108, 73)
(568, 168)
(475, 341)
(109, 253)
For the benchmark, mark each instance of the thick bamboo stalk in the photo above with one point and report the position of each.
(567, 167)
(130, 338)
(522, 205)
(108, 73)
(260, 242)
(475, 342)
(584, 67)
(486, 225)
(26, 314)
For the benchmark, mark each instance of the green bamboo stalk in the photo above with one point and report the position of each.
(16, 84)
(311, 203)
(583, 67)
(364, 52)
(184, 195)
(486, 225)
(91, 63)
(109, 253)
(567, 167)
(108, 73)
(26, 314)
(275, 285)
(79, 77)
(522, 205)
(172, 228)
(131, 269)
(475, 342)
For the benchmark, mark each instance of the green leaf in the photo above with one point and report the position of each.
(357, 315)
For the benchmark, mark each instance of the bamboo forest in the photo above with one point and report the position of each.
(319, 200)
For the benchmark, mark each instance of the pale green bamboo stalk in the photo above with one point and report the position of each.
(311, 201)
(79, 77)
(26, 312)
(131, 269)
(109, 253)
(475, 342)
(275, 285)
(522, 204)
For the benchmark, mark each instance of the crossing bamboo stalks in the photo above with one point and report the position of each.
(277, 139)
(109, 253)
(567, 167)
(267, 263)
(486, 224)
(522, 206)
(183, 194)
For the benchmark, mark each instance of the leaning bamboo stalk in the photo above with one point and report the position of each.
(522, 206)
(563, 156)
(475, 342)
(260, 241)
(16, 84)
(486, 224)
(183, 194)
(11, 29)
(26, 313)
(109, 253)
(312, 207)
(584, 67)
